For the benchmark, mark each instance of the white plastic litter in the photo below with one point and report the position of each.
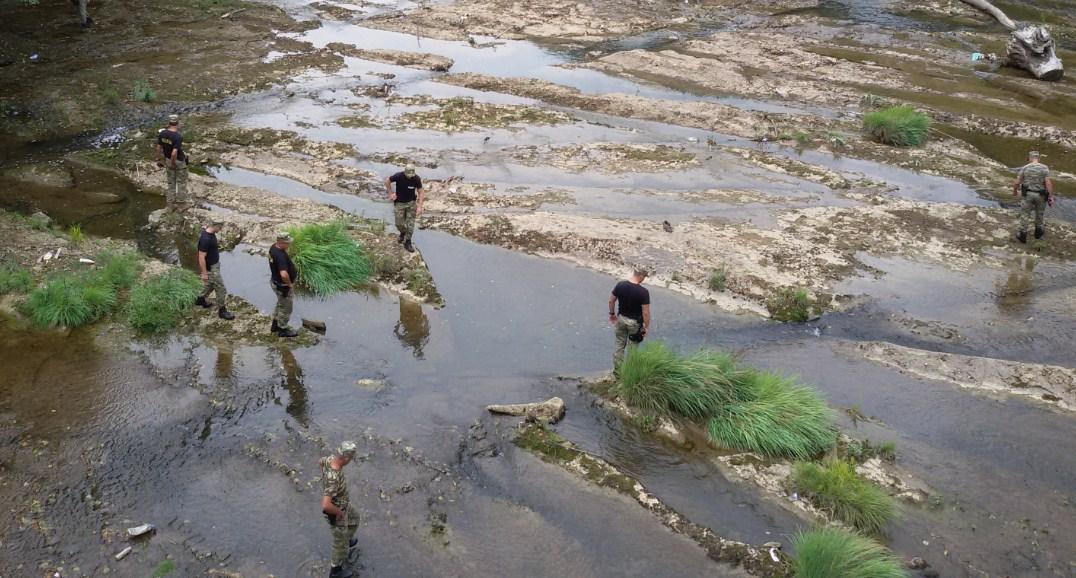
(140, 530)
(86, 261)
(123, 553)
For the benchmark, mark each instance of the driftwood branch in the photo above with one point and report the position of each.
(993, 11)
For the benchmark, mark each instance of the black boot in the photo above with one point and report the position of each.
(401, 239)
(286, 332)
(203, 303)
(407, 245)
(1022, 236)
(223, 313)
(1039, 232)
(275, 328)
(340, 572)
(352, 542)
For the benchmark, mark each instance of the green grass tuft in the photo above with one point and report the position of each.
(159, 303)
(70, 301)
(74, 232)
(835, 487)
(165, 568)
(328, 259)
(741, 408)
(860, 451)
(15, 279)
(118, 269)
(836, 553)
(789, 304)
(718, 279)
(774, 417)
(899, 126)
(143, 92)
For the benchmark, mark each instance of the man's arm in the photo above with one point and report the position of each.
(1050, 191)
(646, 318)
(612, 309)
(202, 267)
(388, 189)
(421, 198)
(285, 278)
(329, 507)
(175, 155)
(1016, 184)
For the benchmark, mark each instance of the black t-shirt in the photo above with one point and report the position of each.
(171, 139)
(280, 261)
(208, 243)
(406, 187)
(631, 297)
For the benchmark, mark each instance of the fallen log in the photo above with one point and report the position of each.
(1030, 45)
(549, 411)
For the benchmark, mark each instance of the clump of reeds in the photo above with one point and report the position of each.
(835, 487)
(160, 303)
(741, 408)
(837, 553)
(328, 259)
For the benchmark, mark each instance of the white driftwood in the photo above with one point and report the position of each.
(1030, 46)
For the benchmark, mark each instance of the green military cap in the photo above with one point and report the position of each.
(283, 238)
(347, 449)
(173, 118)
(1034, 154)
(409, 170)
(216, 223)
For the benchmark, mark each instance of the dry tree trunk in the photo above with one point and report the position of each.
(1030, 46)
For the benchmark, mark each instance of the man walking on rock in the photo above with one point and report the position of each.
(170, 155)
(336, 505)
(209, 266)
(407, 201)
(283, 280)
(1034, 184)
(633, 321)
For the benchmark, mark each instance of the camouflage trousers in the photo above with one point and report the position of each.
(177, 183)
(342, 533)
(215, 283)
(405, 219)
(625, 326)
(282, 312)
(1032, 211)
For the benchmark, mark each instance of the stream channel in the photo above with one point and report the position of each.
(192, 437)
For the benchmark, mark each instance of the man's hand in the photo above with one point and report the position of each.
(205, 275)
(1050, 200)
(418, 210)
(392, 196)
(612, 319)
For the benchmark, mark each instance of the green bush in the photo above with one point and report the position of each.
(15, 279)
(836, 553)
(718, 279)
(835, 487)
(143, 92)
(741, 408)
(862, 450)
(775, 417)
(899, 125)
(159, 303)
(790, 305)
(70, 301)
(328, 259)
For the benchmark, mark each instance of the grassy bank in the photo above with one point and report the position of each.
(834, 487)
(159, 303)
(740, 408)
(72, 299)
(836, 553)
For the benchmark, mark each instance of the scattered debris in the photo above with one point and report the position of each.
(315, 326)
(124, 552)
(141, 530)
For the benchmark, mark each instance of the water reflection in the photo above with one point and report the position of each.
(297, 407)
(1014, 291)
(413, 328)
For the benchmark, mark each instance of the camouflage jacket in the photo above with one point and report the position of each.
(1033, 176)
(334, 484)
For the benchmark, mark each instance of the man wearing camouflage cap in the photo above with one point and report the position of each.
(209, 268)
(336, 505)
(283, 279)
(1033, 182)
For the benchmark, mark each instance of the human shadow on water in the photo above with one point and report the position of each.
(413, 328)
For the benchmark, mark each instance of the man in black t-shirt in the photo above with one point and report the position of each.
(407, 201)
(284, 276)
(209, 267)
(170, 155)
(633, 321)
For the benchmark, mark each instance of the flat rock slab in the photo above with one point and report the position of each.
(549, 411)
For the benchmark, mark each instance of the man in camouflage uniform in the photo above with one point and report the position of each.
(1033, 182)
(283, 276)
(209, 267)
(336, 505)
